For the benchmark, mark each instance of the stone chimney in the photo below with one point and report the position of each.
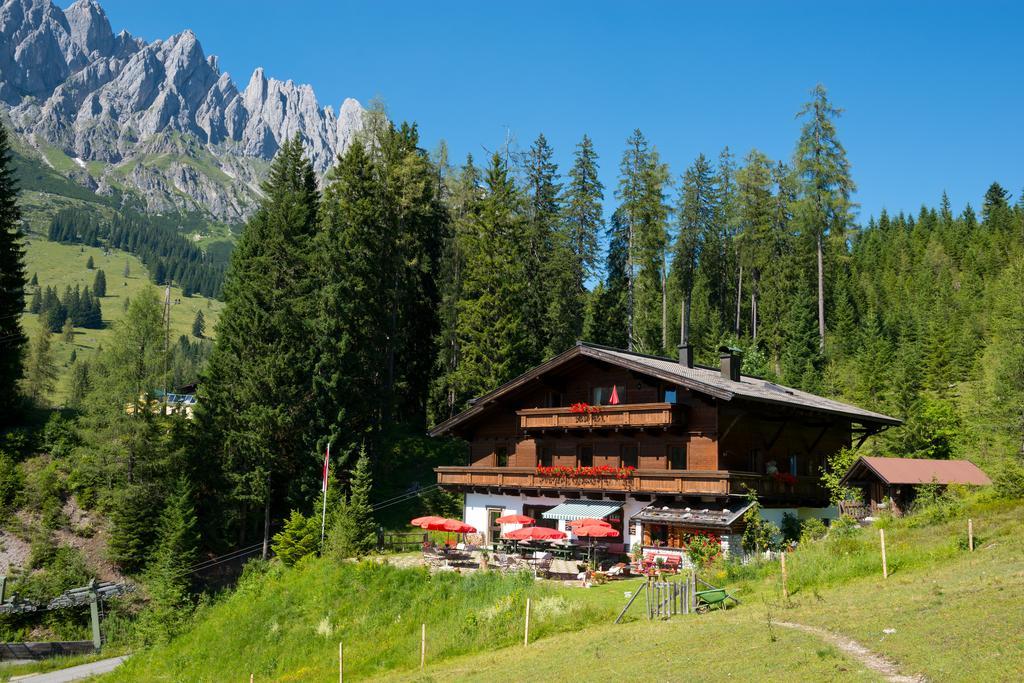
(730, 359)
(685, 349)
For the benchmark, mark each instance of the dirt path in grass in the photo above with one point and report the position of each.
(871, 660)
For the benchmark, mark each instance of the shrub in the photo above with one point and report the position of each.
(299, 537)
(759, 535)
(790, 527)
(702, 548)
(935, 504)
(44, 490)
(11, 481)
(59, 436)
(844, 527)
(812, 529)
(1008, 480)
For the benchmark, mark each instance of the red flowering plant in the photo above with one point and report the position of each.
(702, 547)
(583, 408)
(589, 472)
(785, 478)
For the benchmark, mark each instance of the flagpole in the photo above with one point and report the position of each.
(323, 518)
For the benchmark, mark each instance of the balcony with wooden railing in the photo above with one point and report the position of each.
(666, 482)
(622, 416)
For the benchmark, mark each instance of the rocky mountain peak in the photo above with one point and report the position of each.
(90, 28)
(66, 79)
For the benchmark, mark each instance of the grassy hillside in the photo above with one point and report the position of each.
(941, 606)
(61, 265)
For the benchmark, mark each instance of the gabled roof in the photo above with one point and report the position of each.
(719, 515)
(700, 379)
(918, 471)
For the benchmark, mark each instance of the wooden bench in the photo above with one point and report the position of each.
(669, 562)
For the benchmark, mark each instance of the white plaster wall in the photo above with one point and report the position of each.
(477, 503)
(774, 515)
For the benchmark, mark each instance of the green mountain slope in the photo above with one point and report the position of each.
(63, 265)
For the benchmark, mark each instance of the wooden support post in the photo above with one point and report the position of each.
(885, 565)
(423, 646)
(785, 592)
(643, 587)
(970, 534)
(341, 663)
(94, 613)
(526, 632)
(252, 677)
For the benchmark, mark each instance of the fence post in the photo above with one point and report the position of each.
(970, 534)
(885, 565)
(341, 663)
(785, 592)
(423, 646)
(526, 633)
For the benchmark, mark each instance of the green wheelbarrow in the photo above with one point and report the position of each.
(714, 597)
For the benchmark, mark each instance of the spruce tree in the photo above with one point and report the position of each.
(90, 264)
(610, 317)
(495, 330)
(68, 331)
(99, 284)
(463, 200)
(41, 369)
(382, 231)
(825, 208)
(12, 281)
(255, 397)
(354, 531)
(168, 575)
(199, 325)
(695, 227)
(643, 181)
(577, 242)
(36, 303)
(548, 256)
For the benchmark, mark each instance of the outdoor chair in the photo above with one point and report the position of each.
(542, 565)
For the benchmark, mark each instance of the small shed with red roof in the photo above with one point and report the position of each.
(896, 479)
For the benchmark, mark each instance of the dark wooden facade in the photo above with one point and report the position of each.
(681, 442)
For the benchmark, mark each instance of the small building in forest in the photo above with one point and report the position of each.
(657, 447)
(891, 483)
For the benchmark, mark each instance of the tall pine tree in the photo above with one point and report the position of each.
(12, 281)
(825, 209)
(256, 397)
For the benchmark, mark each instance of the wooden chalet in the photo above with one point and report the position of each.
(658, 447)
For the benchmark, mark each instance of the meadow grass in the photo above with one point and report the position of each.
(944, 613)
(286, 626)
(61, 265)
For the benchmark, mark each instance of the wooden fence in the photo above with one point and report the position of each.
(45, 650)
(401, 541)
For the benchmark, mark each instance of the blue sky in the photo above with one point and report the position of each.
(933, 92)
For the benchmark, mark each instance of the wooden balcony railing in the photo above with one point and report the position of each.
(633, 415)
(699, 482)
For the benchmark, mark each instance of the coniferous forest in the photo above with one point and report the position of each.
(363, 309)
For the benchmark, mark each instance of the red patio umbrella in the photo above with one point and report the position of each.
(458, 526)
(538, 533)
(422, 522)
(593, 531)
(588, 521)
(515, 519)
